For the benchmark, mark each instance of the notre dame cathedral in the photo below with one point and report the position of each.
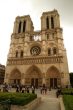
(37, 57)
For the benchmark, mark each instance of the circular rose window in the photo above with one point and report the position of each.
(36, 50)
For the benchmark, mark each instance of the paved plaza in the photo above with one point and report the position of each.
(48, 101)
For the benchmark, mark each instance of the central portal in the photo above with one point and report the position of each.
(33, 77)
(53, 82)
(34, 82)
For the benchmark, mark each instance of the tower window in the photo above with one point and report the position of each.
(47, 36)
(52, 35)
(24, 26)
(32, 38)
(19, 29)
(52, 22)
(49, 51)
(21, 54)
(47, 23)
(16, 54)
(54, 51)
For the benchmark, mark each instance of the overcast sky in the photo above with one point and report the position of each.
(9, 9)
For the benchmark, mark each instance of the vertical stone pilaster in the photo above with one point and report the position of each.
(43, 81)
(6, 81)
(23, 81)
(16, 26)
(27, 37)
(28, 27)
(57, 21)
(50, 22)
(43, 36)
(43, 23)
(51, 51)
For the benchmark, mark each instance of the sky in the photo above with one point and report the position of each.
(9, 9)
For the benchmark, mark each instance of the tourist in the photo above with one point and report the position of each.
(27, 89)
(33, 89)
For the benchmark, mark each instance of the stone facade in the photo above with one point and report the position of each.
(37, 57)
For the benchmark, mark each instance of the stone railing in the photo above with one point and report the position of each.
(35, 60)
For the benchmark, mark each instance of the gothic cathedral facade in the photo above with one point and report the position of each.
(37, 57)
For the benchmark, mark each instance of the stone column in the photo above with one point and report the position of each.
(43, 36)
(25, 48)
(57, 21)
(51, 51)
(28, 25)
(6, 78)
(43, 81)
(26, 37)
(50, 22)
(23, 81)
(43, 47)
(16, 25)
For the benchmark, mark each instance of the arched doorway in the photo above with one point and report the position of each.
(33, 77)
(53, 79)
(15, 77)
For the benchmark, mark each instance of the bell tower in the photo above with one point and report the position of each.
(50, 20)
(51, 30)
(23, 24)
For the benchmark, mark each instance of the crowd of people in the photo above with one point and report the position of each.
(18, 88)
(26, 89)
(43, 89)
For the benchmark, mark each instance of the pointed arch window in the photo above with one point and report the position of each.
(49, 51)
(24, 26)
(47, 23)
(47, 36)
(16, 54)
(31, 38)
(52, 35)
(19, 29)
(52, 22)
(54, 51)
(21, 54)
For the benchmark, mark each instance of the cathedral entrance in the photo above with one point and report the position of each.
(33, 77)
(53, 77)
(16, 81)
(15, 77)
(34, 82)
(53, 82)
